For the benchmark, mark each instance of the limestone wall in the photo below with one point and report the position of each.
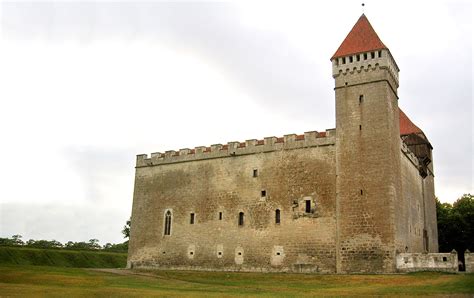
(469, 261)
(288, 174)
(410, 212)
(368, 167)
(411, 262)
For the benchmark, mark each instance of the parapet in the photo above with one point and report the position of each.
(365, 61)
(268, 144)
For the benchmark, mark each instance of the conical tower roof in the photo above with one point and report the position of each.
(362, 38)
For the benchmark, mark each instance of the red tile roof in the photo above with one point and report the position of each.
(406, 126)
(362, 38)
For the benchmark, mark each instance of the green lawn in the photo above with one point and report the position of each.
(56, 281)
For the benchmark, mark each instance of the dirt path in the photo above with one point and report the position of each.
(122, 272)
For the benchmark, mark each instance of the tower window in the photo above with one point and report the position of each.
(360, 127)
(365, 56)
(264, 193)
(380, 54)
(167, 223)
(343, 60)
(358, 57)
(372, 55)
(351, 59)
(192, 219)
(277, 216)
(308, 206)
(241, 218)
(361, 98)
(361, 192)
(255, 173)
(220, 215)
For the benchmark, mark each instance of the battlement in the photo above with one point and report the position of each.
(410, 155)
(365, 61)
(231, 149)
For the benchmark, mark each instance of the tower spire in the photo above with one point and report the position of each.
(362, 38)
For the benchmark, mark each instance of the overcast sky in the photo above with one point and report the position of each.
(86, 86)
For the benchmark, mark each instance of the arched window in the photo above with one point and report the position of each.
(277, 216)
(168, 223)
(241, 219)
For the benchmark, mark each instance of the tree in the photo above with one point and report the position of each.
(456, 224)
(94, 244)
(126, 228)
(17, 240)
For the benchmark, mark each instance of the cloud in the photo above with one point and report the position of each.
(63, 222)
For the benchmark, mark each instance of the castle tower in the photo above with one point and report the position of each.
(368, 183)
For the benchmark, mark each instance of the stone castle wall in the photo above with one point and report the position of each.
(216, 185)
(368, 168)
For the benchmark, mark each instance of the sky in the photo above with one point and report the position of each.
(86, 86)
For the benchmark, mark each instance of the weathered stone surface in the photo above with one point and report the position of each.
(410, 262)
(350, 199)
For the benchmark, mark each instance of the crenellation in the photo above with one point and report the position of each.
(289, 138)
(216, 147)
(268, 144)
(251, 143)
(184, 151)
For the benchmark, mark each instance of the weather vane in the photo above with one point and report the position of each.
(363, 4)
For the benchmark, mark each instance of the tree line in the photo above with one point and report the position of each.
(92, 244)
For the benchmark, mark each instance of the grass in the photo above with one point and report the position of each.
(62, 281)
(61, 258)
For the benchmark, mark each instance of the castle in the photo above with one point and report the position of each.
(346, 200)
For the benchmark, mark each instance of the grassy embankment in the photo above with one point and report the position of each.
(61, 258)
(55, 281)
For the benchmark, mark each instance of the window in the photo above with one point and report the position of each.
(220, 215)
(351, 59)
(372, 55)
(361, 192)
(344, 60)
(308, 206)
(277, 216)
(445, 259)
(358, 57)
(365, 56)
(361, 98)
(360, 127)
(380, 54)
(255, 173)
(264, 193)
(192, 219)
(241, 219)
(168, 223)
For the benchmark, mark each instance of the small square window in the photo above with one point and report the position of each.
(264, 193)
(255, 173)
(445, 259)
